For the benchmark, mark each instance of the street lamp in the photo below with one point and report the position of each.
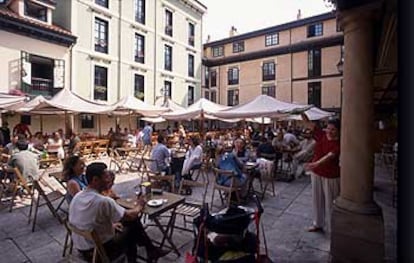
(340, 66)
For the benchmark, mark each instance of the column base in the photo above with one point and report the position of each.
(357, 237)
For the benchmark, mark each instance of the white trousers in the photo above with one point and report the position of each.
(324, 192)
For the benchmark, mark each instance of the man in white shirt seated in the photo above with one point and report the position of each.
(90, 210)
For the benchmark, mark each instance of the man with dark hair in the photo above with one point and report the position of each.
(26, 161)
(160, 154)
(324, 170)
(90, 210)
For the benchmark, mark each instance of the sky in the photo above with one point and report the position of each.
(247, 15)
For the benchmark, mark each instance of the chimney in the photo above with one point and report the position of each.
(208, 38)
(233, 31)
(299, 15)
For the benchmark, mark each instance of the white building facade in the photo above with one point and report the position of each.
(146, 48)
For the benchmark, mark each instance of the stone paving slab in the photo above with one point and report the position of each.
(285, 219)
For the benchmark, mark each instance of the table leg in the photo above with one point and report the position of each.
(165, 232)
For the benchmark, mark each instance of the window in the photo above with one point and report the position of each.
(233, 97)
(272, 39)
(139, 6)
(139, 87)
(103, 3)
(100, 91)
(167, 89)
(213, 78)
(206, 78)
(191, 34)
(314, 63)
(269, 91)
(207, 95)
(217, 51)
(238, 46)
(342, 52)
(233, 76)
(168, 23)
(213, 96)
(168, 58)
(87, 121)
(315, 30)
(190, 95)
(314, 94)
(268, 71)
(101, 35)
(190, 65)
(36, 11)
(139, 52)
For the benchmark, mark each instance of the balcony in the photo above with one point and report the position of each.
(40, 86)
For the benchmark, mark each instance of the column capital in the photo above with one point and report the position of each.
(364, 209)
(357, 15)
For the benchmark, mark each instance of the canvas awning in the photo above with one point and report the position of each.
(201, 108)
(313, 114)
(261, 106)
(131, 104)
(63, 101)
(10, 102)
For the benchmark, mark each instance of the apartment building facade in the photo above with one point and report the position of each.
(34, 54)
(293, 62)
(34, 51)
(138, 47)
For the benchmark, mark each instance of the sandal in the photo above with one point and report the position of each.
(315, 229)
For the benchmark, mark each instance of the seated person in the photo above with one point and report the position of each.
(304, 153)
(109, 192)
(74, 174)
(265, 147)
(73, 143)
(240, 151)
(25, 160)
(90, 210)
(55, 146)
(228, 161)
(160, 154)
(193, 157)
(11, 147)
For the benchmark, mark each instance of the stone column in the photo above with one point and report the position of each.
(357, 224)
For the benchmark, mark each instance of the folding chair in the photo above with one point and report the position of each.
(266, 168)
(190, 208)
(20, 183)
(156, 176)
(117, 161)
(99, 254)
(232, 188)
(47, 200)
(100, 148)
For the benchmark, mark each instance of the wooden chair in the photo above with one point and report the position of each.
(118, 163)
(232, 188)
(156, 176)
(99, 254)
(47, 199)
(20, 184)
(100, 148)
(267, 171)
(190, 209)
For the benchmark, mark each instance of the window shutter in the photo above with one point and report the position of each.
(59, 74)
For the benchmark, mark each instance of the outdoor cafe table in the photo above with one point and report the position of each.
(124, 151)
(153, 213)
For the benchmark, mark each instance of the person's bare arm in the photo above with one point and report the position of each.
(73, 187)
(322, 160)
(134, 213)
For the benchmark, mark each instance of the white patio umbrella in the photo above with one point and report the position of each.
(313, 114)
(261, 106)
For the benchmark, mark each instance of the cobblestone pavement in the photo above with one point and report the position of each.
(285, 218)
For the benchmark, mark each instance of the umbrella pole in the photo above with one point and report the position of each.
(202, 126)
(41, 124)
(99, 126)
(66, 122)
(129, 120)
